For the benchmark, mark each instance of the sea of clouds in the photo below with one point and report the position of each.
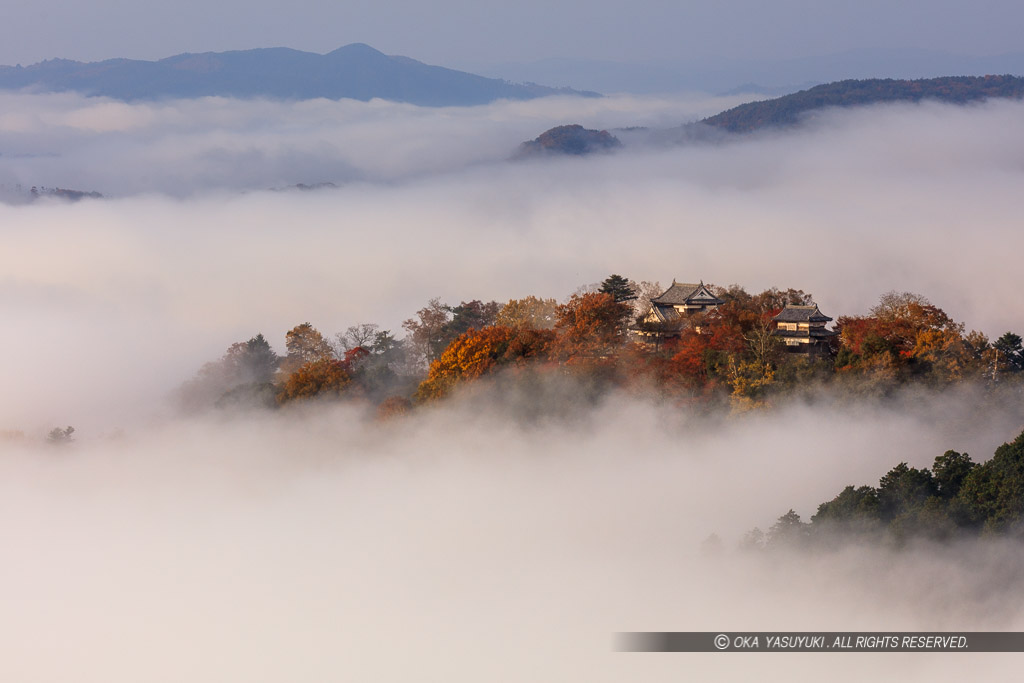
(463, 543)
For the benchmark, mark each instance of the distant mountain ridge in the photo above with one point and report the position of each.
(780, 112)
(789, 109)
(355, 71)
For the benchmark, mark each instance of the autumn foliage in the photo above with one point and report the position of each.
(906, 335)
(590, 327)
(324, 378)
(731, 355)
(476, 352)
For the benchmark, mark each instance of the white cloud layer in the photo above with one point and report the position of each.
(183, 147)
(460, 545)
(117, 301)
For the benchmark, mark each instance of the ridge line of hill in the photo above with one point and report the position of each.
(789, 110)
(356, 71)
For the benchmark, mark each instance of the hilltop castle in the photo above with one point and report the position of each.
(800, 328)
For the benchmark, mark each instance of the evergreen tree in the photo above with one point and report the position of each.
(618, 287)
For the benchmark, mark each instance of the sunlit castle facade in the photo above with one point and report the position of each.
(670, 311)
(802, 329)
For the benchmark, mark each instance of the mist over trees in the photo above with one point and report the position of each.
(956, 498)
(243, 375)
(729, 358)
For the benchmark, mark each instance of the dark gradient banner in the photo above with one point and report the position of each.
(819, 641)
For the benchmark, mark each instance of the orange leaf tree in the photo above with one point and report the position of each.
(477, 352)
(590, 326)
(323, 378)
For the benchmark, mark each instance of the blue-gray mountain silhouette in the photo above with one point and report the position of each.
(355, 71)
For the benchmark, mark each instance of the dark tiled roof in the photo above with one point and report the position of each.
(678, 293)
(665, 313)
(801, 314)
(681, 293)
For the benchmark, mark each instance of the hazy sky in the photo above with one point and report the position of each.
(464, 33)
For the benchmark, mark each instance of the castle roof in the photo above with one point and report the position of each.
(801, 314)
(683, 294)
(665, 313)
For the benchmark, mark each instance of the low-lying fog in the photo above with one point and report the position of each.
(184, 147)
(462, 544)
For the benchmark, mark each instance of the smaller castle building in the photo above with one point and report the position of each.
(802, 329)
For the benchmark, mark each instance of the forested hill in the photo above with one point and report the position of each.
(573, 139)
(355, 71)
(788, 109)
